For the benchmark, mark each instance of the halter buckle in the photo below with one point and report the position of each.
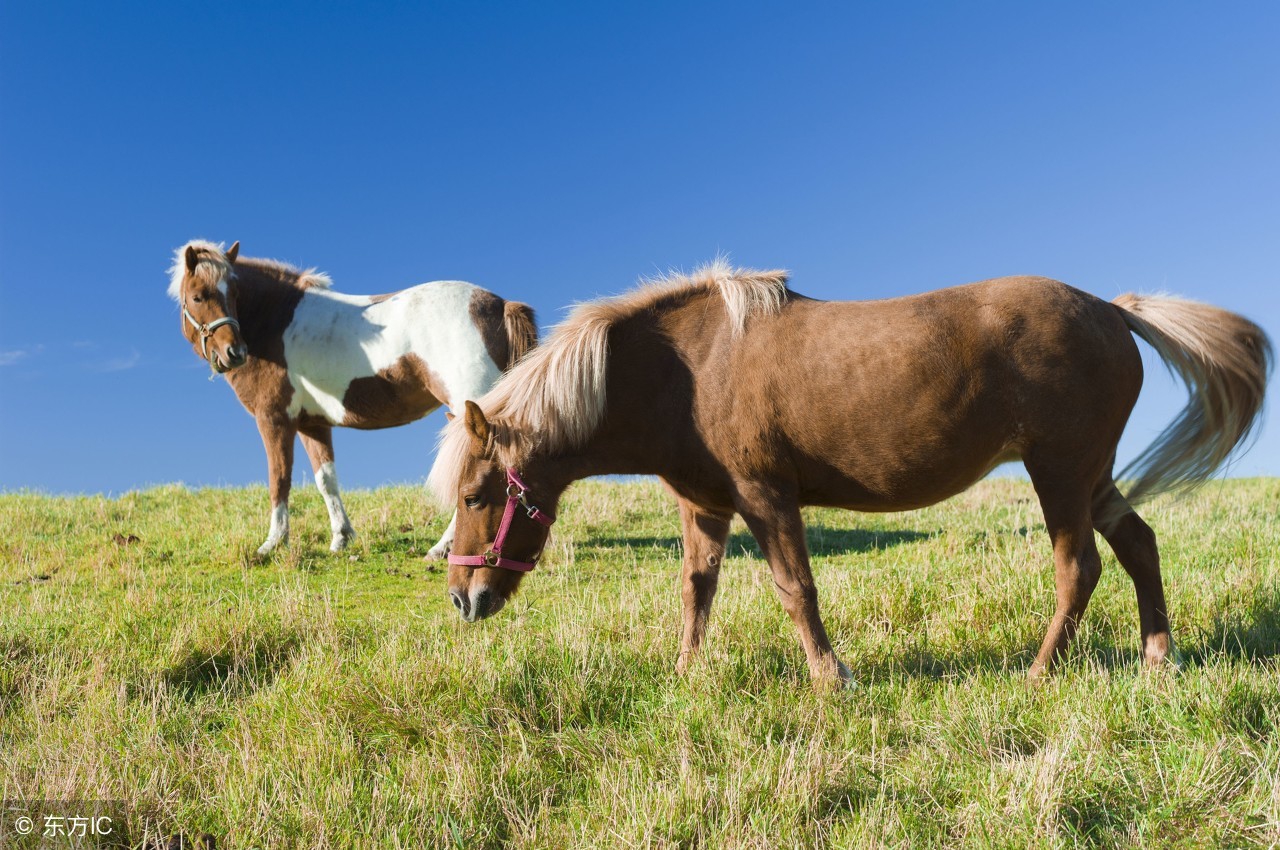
(490, 558)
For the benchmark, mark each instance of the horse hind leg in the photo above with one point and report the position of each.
(445, 543)
(1134, 543)
(318, 443)
(1077, 565)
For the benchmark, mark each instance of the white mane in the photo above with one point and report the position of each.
(554, 398)
(214, 254)
(210, 252)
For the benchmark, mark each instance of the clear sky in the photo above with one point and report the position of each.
(556, 152)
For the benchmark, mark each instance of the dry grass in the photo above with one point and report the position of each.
(322, 701)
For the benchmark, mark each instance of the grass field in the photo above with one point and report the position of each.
(316, 700)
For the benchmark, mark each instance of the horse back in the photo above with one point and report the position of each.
(902, 402)
(382, 361)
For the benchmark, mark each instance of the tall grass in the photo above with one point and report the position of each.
(316, 700)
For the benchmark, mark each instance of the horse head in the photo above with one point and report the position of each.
(204, 285)
(497, 521)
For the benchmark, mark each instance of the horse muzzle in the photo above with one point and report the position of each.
(479, 604)
(233, 357)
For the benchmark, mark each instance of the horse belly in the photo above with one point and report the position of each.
(354, 365)
(919, 406)
(893, 469)
(402, 393)
(881, 428)
(435, 323)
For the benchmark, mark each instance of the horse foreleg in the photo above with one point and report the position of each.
(775, 521)
(1077, 565)
(445, 543)
(277, 439)
(704, 542)
(318, 443)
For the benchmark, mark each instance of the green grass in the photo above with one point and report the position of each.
(316, 700)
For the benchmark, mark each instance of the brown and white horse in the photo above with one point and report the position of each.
(748, 398)
(303, 358)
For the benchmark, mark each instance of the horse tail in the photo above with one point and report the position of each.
(522, 333)
(1225, 361)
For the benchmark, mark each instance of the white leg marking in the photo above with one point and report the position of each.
(279, 532)
(442, 547)
(327, 482)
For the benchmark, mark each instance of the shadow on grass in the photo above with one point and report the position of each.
(233, 670)
(1250, 632)
(821, 539)
(1250, 635)
(1094, 821)
(1256, 642)
(925, 664)
(19, 658)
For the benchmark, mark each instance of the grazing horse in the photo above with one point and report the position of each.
(745, 397)
(303, 358)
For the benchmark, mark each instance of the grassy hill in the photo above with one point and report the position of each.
(316, 700)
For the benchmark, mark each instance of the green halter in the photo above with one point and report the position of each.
(206, 331)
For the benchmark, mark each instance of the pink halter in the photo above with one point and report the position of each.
(516, 490)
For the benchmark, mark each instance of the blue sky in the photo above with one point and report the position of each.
(555, 152)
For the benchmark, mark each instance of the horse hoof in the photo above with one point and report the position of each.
(340, 541)
(824, 680)
(436, 553)
(1171, 663)
(272, 544)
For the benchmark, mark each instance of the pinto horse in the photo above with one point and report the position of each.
(745, 397)
(303, 358)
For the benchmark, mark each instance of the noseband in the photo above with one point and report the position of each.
(206, 331)
(516, 490)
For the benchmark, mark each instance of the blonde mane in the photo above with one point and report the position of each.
(554, 398)
(213, 261)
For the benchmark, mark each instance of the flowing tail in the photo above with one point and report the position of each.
(1225, 361)
(522, 333)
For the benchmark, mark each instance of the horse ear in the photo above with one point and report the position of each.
(449, 416)
(477, 425)
(193, 258)
(233, 251)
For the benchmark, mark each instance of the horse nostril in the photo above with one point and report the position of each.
(459, 601)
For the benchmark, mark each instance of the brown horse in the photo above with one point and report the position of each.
(303, 358)
(748, 398)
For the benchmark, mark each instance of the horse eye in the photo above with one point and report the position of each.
(196, 298)
(472, 501)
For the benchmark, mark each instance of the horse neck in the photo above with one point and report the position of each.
(265, 302)
(646, 427)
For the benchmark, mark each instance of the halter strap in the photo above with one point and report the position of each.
(206, 331)
(516, 495)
